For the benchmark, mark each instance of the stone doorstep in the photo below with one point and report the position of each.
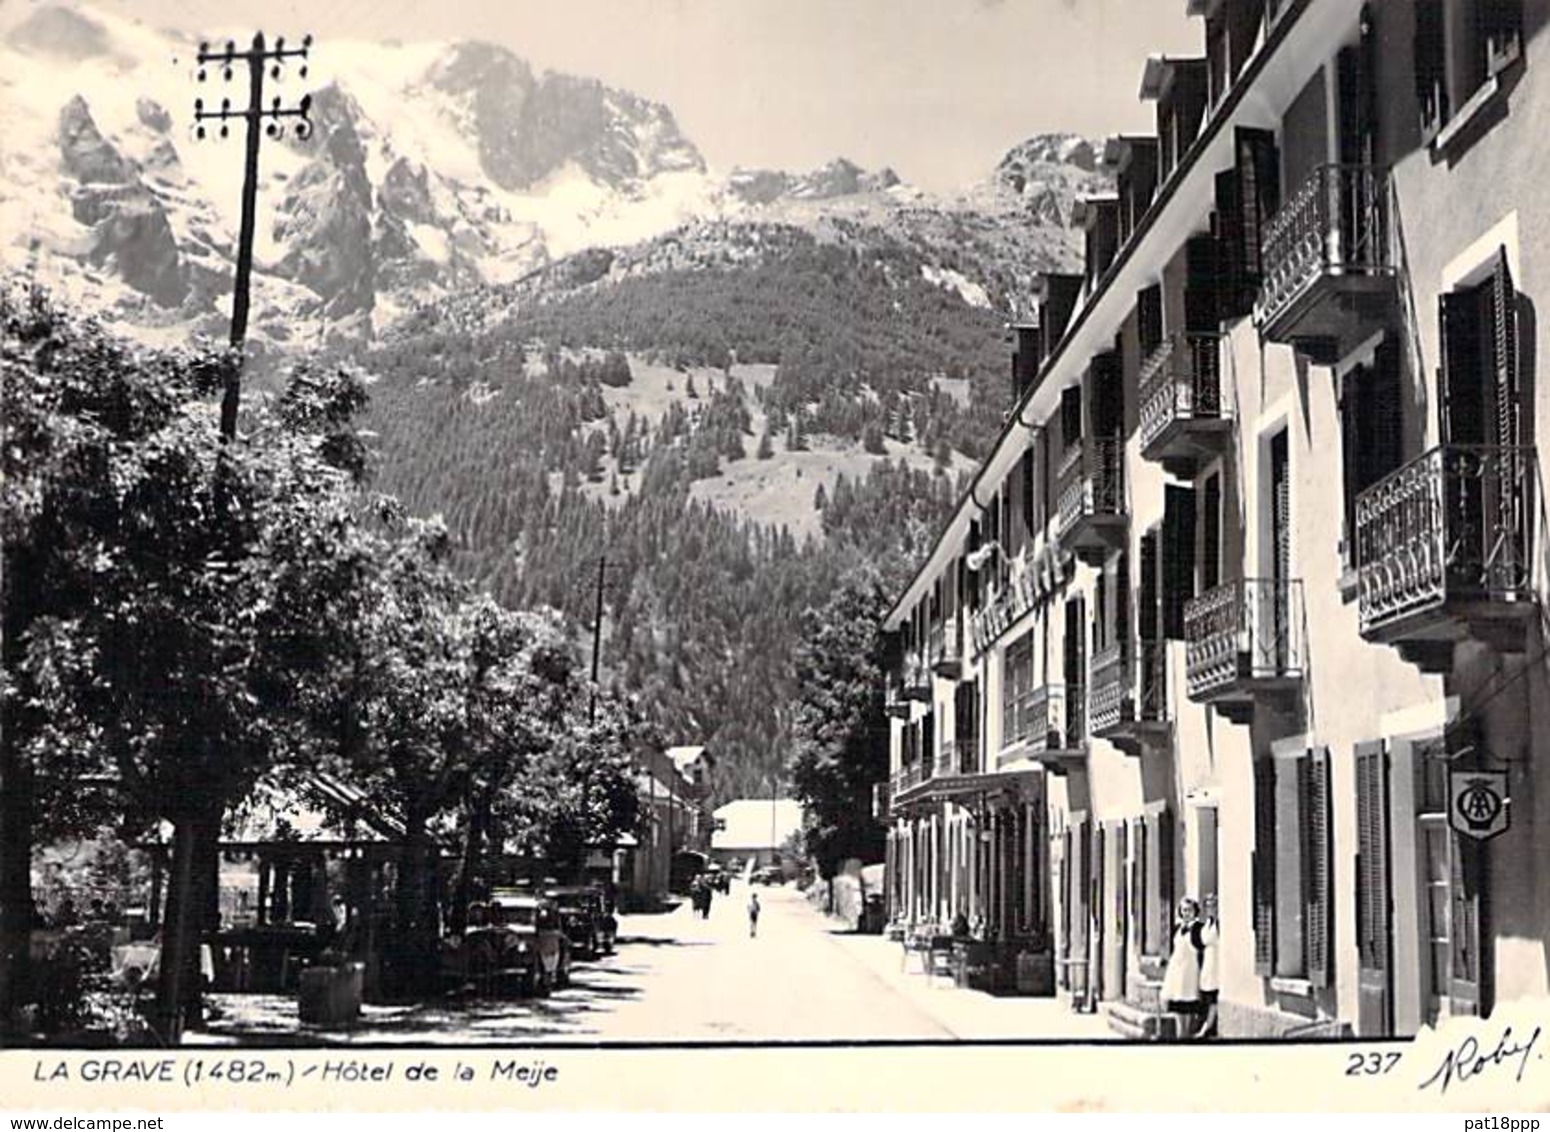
(1140, 1024)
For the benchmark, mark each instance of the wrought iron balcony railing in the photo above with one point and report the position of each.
(1244, 640)
(1183, 416)
(946, 649)
(917, 678)
(1055, 721)
(881, 800)
(1443, 544)
(1129, 697)
(1092, 497)
(1328, 280)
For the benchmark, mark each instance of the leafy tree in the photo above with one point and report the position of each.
(840, 746)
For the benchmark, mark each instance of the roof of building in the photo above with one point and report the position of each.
(749, 823)
(684, 757)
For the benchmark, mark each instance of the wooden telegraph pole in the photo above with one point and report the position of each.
(261, 60)
(192, 891)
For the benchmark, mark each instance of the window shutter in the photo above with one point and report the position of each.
(1259, 197)
(1030, 521)
(1138, 897)
(1178, 558)
(1149, 615)
(1459, 395)
(1431, 67)
(1383, 413)
(1200, 313)
(1466, 992)
(1236, 291)
(1156, 938)
(1122, 628)
(1504, 342)
(1372, 866)
(1108, 395)
(1071, 415)
(1264, 868)
(1166, 897)
(1211, 533)
(1313, 772)
(1149, 318)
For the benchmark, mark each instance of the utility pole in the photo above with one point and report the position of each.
(259, 59)
(193, 890)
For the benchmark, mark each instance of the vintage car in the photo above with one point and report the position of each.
(584, 914)
(718, 878)
(513, 941)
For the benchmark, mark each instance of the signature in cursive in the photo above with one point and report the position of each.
(1467, 1060)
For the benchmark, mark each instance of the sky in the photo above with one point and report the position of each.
(937, 89)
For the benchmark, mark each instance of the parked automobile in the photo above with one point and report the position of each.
(770, 874)
(718, 878)
(513, 941)
(590, 927)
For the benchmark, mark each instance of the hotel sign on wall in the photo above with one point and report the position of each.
(1477, 802)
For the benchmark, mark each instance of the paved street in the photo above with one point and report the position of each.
(677, 977)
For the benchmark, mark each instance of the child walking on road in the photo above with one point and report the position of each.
(753, 914)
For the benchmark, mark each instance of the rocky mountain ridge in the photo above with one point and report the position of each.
(432, 169)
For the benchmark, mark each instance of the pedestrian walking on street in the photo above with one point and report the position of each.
(753, 914)
(706, 894)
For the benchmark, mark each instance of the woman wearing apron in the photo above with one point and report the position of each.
(1181, 979)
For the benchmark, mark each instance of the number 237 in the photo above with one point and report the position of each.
(1370, 1064)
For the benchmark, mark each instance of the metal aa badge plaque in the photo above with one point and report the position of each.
(1477, 802)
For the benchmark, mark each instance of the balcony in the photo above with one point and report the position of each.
(1054, 727)
(946, 761)
(1245, 646)
(1092, 500)
(1328, 283)
(1129, 705)
(881, 801)
(1444, 553)
(1183, 419)
(917, 679)
(946, 649)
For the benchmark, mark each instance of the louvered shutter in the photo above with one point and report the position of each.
(1156, 939)
(1178, 558)
(1201, 285)
(1504, 343)
(1122, 629)
(1108, 395)
(1149, 318)
(1166, 895)
(1138, 897)
(1149, 614)
(1259, 197)
(1429, 50)
(1264, 868)
(1460, 397)
(1030, 518)
(1071, 415)
(1236, 295)
(1372, 865)
(1313, 773)
(1467, 990)
(1211, 533)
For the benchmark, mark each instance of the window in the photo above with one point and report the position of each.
(1292, 867)
(1453, 873)
(1460, 47)
(1152, 882)
(1149, 319)
(1177, 558)
(1210, 523)
(1071, 416)
(1017, 688)
(1247, 196)
(1480, 394)
(966, 727)
(1371, 430)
